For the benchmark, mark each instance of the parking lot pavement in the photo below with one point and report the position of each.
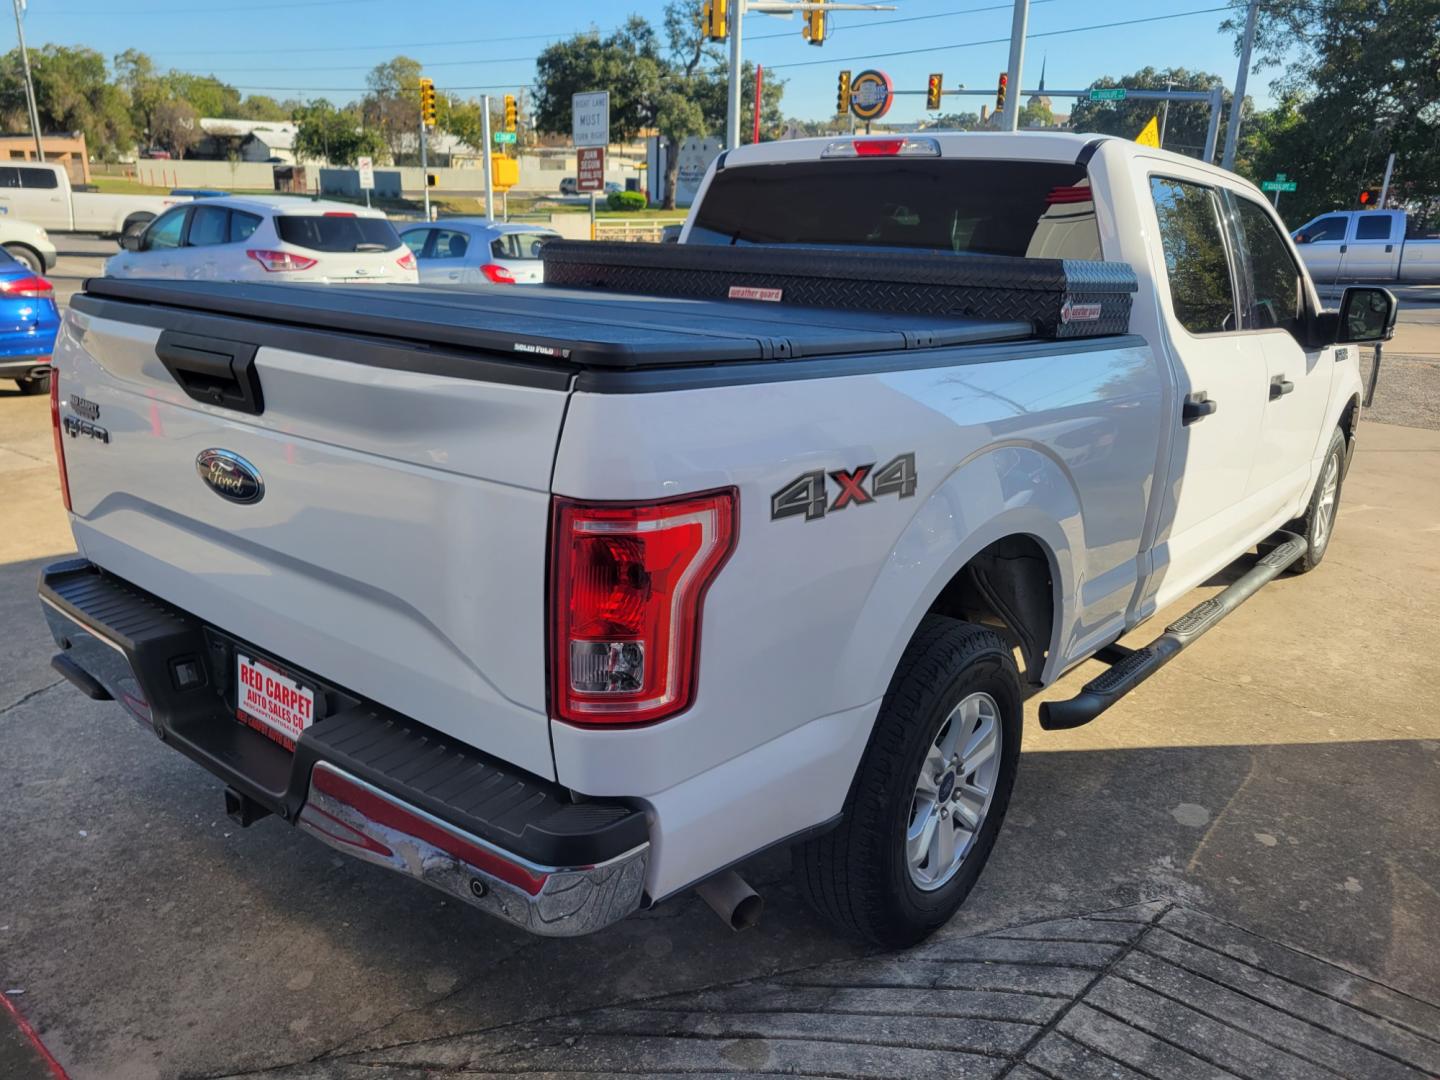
(1271, 795)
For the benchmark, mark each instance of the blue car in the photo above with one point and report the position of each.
(29, 321)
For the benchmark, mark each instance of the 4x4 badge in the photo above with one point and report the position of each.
(809, 495)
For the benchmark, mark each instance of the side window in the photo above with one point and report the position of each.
(9, 176)
(1373, 227)
(415, 240)
(1275, 296)
(208, 225)
(1331, 227)
(241, 226)
(38, 178)
(449, 244)
(1201, 290)
(164, 231)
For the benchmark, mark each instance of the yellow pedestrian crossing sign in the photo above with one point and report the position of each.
(1150, 134)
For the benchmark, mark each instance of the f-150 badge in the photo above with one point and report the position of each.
(808, 495)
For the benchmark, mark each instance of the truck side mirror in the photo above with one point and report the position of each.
(1367, 313)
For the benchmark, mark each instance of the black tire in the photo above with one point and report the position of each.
(38, 385)
(857, 875)
(1317, 531)
(27, 255)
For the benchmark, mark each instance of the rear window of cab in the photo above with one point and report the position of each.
(336, 232)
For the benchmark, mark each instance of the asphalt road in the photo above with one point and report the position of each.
(1233, 873)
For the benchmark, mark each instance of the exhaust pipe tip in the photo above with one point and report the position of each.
(738, 905)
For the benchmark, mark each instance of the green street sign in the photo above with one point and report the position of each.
(1278, 185)
(1115, 93)
(1281, 176)
(504, 137)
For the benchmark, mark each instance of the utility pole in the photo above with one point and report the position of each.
(1165, 111)
(1011, 120)
(489, 171)
(1232, 129)
(424, 170)
(1385, 185)
(732, 110)
(29, 82)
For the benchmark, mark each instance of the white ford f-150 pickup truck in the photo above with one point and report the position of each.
(1367, 245)
(564, 599)
(41, 193)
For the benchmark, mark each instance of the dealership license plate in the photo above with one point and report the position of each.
(272, 701)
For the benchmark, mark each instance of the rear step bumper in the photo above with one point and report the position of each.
(1130, 667)
(362, 778)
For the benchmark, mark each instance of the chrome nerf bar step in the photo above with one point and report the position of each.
(1130, 667)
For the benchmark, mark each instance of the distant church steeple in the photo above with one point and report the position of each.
(1039, 97)
(1043, 61)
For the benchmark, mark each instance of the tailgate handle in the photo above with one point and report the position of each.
(212, 370)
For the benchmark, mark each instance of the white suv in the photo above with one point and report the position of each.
(267, 238)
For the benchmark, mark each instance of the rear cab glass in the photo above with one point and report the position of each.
(336, 232)
(967, 206)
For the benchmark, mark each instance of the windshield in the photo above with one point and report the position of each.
(520, 245)
(337, 232)
(1027, 208)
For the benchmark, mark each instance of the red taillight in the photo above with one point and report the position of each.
(29, 285)
(627, 582)
(406, 261)
(338, 213)
(278, 261)
(1063, 195)
(498, 274)
(59, 438)
(878, 147)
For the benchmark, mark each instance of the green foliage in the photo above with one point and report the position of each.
(72, 92)
(392, 106)
(335, 135)
(1186, 124)
(629, 201)
(1037, 115)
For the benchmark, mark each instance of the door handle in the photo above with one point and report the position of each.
(1197, 406)
(1280, 386)
(214, 371)
(1389, 248)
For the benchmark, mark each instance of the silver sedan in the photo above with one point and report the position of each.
(473, 251)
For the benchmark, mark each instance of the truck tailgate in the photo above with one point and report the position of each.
(398, 547)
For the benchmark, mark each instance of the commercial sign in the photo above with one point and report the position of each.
(590, 118)
(367, 174)
(590, 168)
(871, 95)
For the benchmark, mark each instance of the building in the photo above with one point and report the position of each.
(65, 148)
(224, 139)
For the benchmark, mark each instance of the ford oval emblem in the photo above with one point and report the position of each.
(230, 476)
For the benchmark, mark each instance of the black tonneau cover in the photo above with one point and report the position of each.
(569, 327)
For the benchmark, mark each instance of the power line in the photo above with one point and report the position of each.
(397, 45)
(873, 23)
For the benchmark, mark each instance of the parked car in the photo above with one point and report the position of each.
(563, 600)
(569, 186)
(262, 237)
(1368, 245)
(473, 251)
(28, 243)
(199, 193)
(41, 193)
(29, 321)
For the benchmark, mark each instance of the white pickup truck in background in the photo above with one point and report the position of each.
(1368, 245)
(568, 598)
(41, 194)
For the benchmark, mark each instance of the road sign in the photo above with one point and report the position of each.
(1150, 133)
(590, 168)
(871, 95)
(504, 137)
(1278, 184)
(590, 118)
(1281, 176)
(1108, 93)
(367, 174)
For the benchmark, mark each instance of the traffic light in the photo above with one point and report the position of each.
(509, 112)
(427, 102)
(430, 179)
(933, 90)
(814, 28)
(1000, 89)
(1369, 199)
(715, 19)
(842, 94)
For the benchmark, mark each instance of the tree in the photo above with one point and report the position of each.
(175, 126)
(1362, 80)
(1186, 124)
(73, 93)
(1037, 114)
(965, 121)
(260, 107)
(627, 63)
(392, 107)
(206, 94)
(334, 135)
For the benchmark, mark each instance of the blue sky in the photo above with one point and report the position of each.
(324, 47)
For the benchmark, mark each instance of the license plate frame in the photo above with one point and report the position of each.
(271, 699)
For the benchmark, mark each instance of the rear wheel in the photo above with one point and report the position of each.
(1318, 524)
(931, 792)
(29, 256)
